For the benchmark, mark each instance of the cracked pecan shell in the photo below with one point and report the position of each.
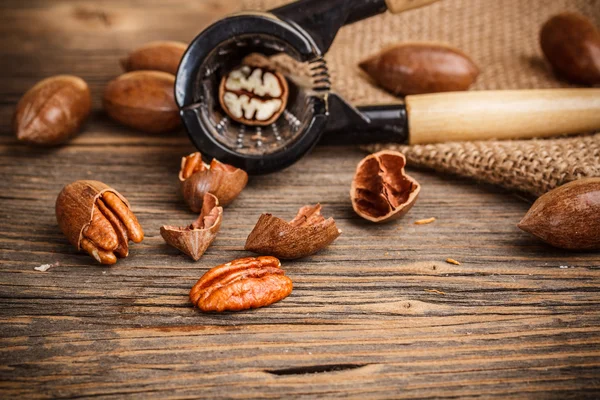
(98, 219)
(306, 234)
(194, 239)
(241, 284)
(381, 191)
(224, 181)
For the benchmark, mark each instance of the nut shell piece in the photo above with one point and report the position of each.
(224, 181)
(194, 239)
(143, 100)
(75, 206)
(567, 217)
(381, 191)
(305, 235)
(161, 55)
(52, 111)
(241, 284)
(413, 68)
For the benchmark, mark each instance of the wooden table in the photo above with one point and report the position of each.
(378, 314)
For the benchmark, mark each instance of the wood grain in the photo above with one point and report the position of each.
(378, 314)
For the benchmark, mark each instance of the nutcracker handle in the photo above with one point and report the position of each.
(501, 114)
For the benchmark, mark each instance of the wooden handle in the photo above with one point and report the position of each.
(501, 114)
(398, 6)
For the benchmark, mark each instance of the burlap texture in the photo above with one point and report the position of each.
(501, 36)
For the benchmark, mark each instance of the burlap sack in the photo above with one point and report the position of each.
(501, 36)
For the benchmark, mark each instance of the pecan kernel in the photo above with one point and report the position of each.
(253, 95)
(241, 284)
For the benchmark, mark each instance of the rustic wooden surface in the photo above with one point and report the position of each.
(378, 314)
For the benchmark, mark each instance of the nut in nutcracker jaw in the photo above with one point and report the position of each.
(222, 47)
(303, 30)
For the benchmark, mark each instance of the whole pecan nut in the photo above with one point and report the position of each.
(161, 55)
(413, 68)
(97, 219)
(241, 284)
(306, 234)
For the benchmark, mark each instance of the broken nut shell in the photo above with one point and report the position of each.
(303, 236)
(254, 94)
(224, 181)
(96, 218)
(162, 55)
(414, 68)
(195, 239)
(143, 100)
(567, 217)
(241, 284)
(381, 191)
(52, 111)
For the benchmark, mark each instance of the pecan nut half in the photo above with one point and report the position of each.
(225, 181)
(381, 191)
(97, 219)
(306, 234)
(254, 94)
(241, 284)
(194, 239)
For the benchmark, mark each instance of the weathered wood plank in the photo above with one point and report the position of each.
(379, 314)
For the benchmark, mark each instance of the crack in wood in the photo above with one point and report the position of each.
(315, 369)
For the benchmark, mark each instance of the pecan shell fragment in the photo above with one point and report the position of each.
(96, 218)
(224, 181)
(381, 191)
(194, 239)
(303, 236)
(241, 284)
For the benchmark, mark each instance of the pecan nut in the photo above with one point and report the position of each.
(224, 181)
(306, 234)
(241, 284)
(194, 239)
(143, 100)
(567, 217)
(52, 111)
(161, 55)
(97, 219)
(254, 94)
(413, 68)
(381, 191)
